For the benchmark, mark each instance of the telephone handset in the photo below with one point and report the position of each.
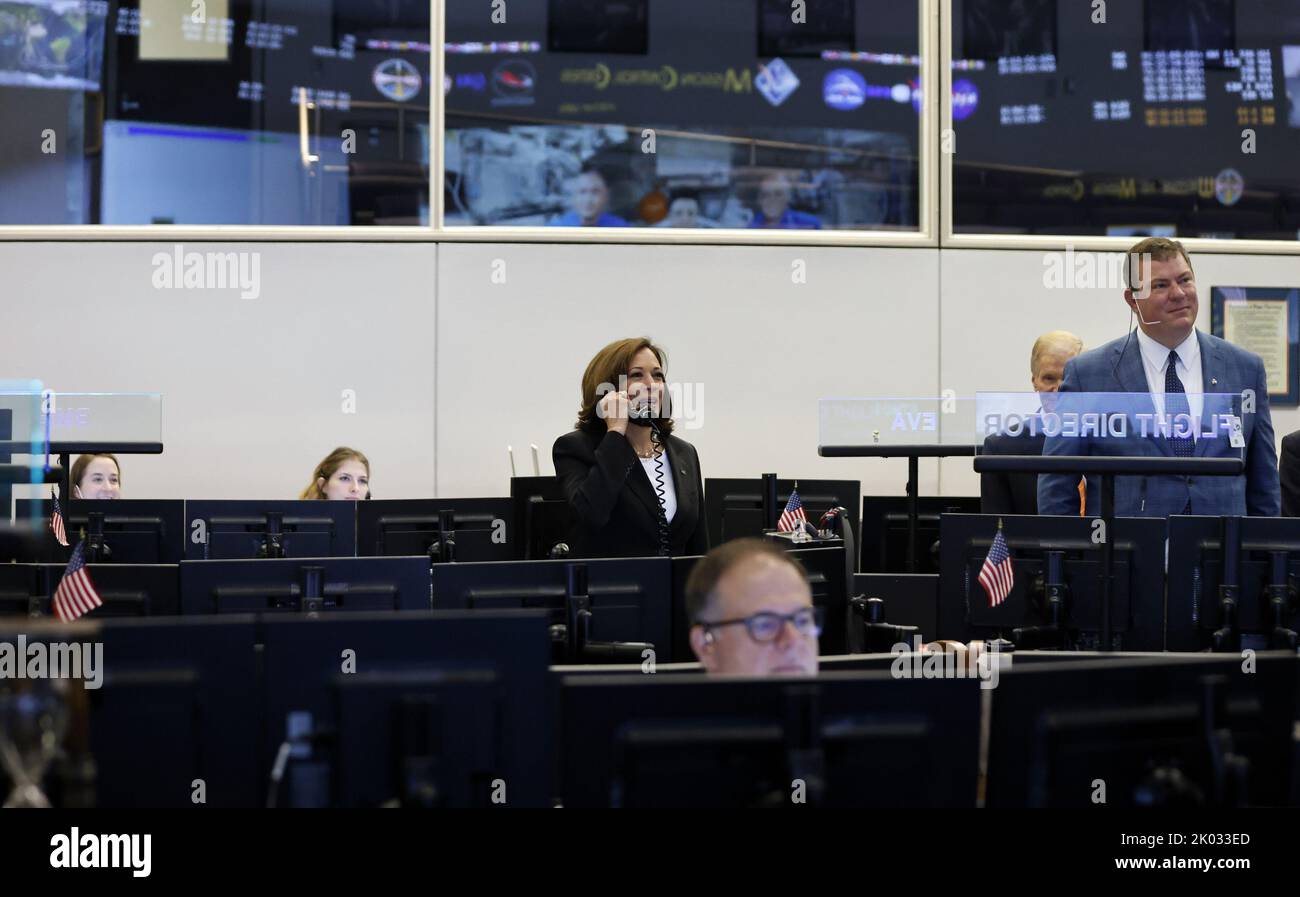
(643, 415)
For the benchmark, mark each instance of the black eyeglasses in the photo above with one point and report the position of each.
(765, 626)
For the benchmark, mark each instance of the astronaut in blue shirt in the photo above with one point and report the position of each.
(774, 207)
(590, 199)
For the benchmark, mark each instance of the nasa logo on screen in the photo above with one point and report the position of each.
(1229, 185)
(397, 79)
(513, 82)
(776, 81)
(844, 89)
(965, 97)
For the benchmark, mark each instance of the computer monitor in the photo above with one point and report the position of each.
(232, 530)
(910, 599)
(1264, 612)
(421, 709)
(130, 531)
(994, 28)
(828, 578)
(630, 600)
(127, 590)
(1183, 27)
(884, 530)
(6, 487)
(733, 508)
(177, 705)
(1055, 568)
(479, 530)
(837, 740)
(681, 636)
(1172, 731)
(56, 46)
(543, 517)
(304, 585)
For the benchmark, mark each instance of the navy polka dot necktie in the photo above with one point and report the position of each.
(1176, 404)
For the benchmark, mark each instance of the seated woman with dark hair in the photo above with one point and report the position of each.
(635, 489)
(96, 476)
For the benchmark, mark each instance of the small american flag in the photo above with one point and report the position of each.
(56, 522)
(996, 575)
(792, 515)
(75, 594)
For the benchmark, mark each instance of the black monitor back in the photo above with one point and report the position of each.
(733, 508)
(542, 516)
(1084, 731)
(1196, 572)
(136, 531)
(884, 530)
(681, 640)
(127, 590)
(6, 434)
(1137, 599)
(297, 585)
(631, 598)
(177, 716)
(465, 693)
(828, 579)
(403, 527)
(911, 599)
(219, 529)
(696, 741)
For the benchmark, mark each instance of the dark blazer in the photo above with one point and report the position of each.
(1289, 468)
(1011, 493)
(614, 503)
(1117, 368)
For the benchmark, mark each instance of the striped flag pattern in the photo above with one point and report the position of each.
(792, 515)
(996, 575)
(75, 594)
(56, 522)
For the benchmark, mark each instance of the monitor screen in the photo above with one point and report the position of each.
(52, 43)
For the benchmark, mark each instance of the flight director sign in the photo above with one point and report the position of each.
(1109, 419)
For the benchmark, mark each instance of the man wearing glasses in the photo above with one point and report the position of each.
(751, 612)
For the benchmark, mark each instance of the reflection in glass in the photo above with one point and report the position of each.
(288, 112)
(700, 115)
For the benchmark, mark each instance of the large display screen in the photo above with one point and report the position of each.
(303, 112)
(1178, 117)
(663, 113)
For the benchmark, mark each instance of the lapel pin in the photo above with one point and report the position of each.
(1214, 382)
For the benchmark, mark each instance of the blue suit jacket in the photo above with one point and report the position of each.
(1117, 368)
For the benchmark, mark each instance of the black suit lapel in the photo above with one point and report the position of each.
(683, 481)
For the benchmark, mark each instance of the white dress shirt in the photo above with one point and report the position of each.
(1155, 357)
(669, 499)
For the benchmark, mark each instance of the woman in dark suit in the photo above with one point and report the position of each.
(634, 488)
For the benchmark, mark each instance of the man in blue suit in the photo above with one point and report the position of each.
(1170, 368)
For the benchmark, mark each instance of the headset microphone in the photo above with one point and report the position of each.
(1141, 317)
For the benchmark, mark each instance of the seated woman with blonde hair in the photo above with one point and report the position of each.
(344, 475)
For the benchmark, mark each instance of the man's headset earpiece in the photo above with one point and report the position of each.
(708, 637)
(1137, 298)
